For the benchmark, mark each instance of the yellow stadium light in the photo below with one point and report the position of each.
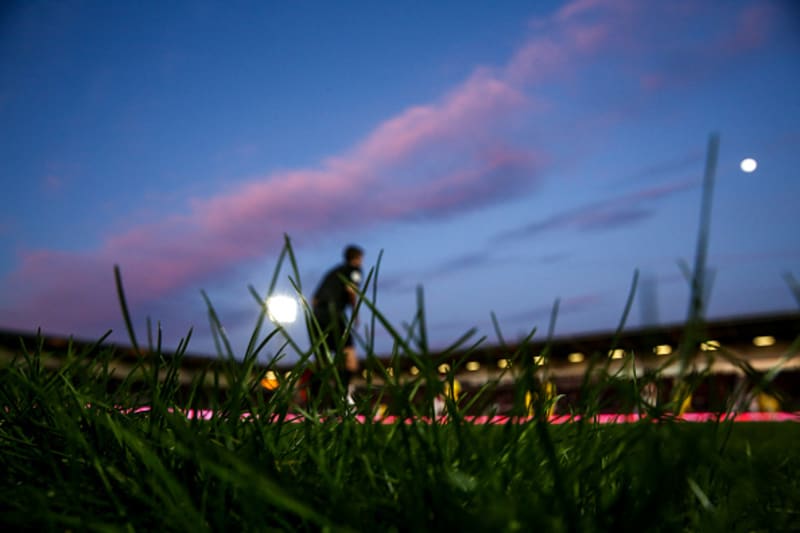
(616, 354)
(270, 380)
(413, 371)
(764, 340)
(662, 349)
(539, 360)
(575, 357)
(444, 368)
(503, 363)
(709, 346)
(472, 366)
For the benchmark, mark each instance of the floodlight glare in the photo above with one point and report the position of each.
(282, 309)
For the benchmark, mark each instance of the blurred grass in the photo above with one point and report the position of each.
(78, 454)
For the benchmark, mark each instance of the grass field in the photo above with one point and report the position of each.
(73, 459)
(78, 453)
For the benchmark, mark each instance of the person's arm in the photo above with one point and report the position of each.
(352, 295)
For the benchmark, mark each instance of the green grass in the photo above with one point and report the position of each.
(73, 456)
(72, 460)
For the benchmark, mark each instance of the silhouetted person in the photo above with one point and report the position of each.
(334, 295)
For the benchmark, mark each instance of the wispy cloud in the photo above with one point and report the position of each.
(408, 281)
(662, 169)
(623, 210)
(746, 29)
(429, 161)
(475, 167)
(753, 27)
(462, 262)
(568, 305)
(471, 261)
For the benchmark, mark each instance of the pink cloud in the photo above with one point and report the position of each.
(580, 29)
(63, 290)
(579, 8)
(747, 30)
(483, 98)
(430, 160)
(536, 60)
(752, 28)
(589, 38)
(60, 291)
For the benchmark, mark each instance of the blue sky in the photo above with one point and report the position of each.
(502, 156)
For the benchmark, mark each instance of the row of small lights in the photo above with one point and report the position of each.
(283, 309)
(575, 357)
(578, 357)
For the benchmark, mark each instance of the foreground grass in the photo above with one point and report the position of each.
(77, 453)
(72, 459)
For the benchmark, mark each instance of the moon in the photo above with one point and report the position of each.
(748, 165)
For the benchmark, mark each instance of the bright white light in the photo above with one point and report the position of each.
(282, 309)
(748, 165)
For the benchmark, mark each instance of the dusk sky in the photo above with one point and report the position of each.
(502, 155)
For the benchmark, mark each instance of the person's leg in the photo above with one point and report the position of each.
(324, 350)
(350, 367)
(342, 351)
(327, 329)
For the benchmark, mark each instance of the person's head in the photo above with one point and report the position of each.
(353, 255)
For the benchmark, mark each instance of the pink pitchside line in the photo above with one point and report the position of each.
(612, 418)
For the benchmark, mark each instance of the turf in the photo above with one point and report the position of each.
(75, 457)
(83, 449)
